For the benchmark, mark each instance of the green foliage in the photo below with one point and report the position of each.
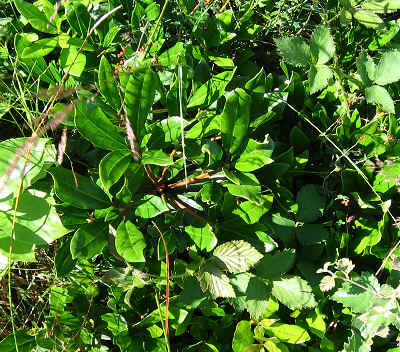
(191, 166)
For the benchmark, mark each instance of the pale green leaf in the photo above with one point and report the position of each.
(293, 292)
(322, 45)
(381, 6)
(37, 224)
(238, 256)
(378, 95)
(368, 18)
(388, 68)
(156, 157)
(39, 48)
(41, 153)
(213, 280)
(318, 77)
(366, 68)
(295, 50)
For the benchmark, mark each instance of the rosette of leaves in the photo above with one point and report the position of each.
(314, 54)
(375, 76)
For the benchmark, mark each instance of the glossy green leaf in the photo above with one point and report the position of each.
(139, 98)
(293, 292)
(288, 333)
(113, 166)
(40, 156)
(173, 56)
(211, 90)
(63, 260)
(235, 120)
(130, 242)
(72, 62)
(89, 240)
(255, 156)
(150, 206)
(79, 19)
(35, 17)
(242, 337)
(37, 224)
(107, 86)
(202, 235)
(83, 194)
(40, 48)
(238, 256)
(156, 157)
(97, 128)
(116, 323)
(387, 70)
(248, 187)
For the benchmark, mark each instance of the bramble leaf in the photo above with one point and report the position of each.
(322, 45)
(295, 50)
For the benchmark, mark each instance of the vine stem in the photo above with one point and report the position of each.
(192, 180)
(150, 40)
(167, 279)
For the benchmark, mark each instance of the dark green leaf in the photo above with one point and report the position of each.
(107, 85)
(202, 235)
(113, 166)
(89, 240)
(139, 97)
(311, 234)
(211, 90)
(35, 17)
(311, 203)
(235, 120)
(275, 264)
(77, 190)
(150, 206)
(97, 128)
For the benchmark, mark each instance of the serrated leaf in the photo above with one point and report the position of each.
(293, 292)
(257, 295)
(318, 77)
(238, 256)
(388, 68)
(275, 264)
(368, 18)
(354, 297)
(366, 68)
(213, 280)
(378, 95)
(130, 242)
(322, 45)
(295, 50)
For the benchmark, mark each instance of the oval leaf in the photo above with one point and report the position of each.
(40, 48)
(113, 166)
(107, 86)
(83, 194)
(150, 206)
(130, 242)
(89, 240)
(97, 128)
(235, 120)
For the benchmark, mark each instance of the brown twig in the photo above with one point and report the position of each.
(167, 294)
(166, 167)
(185, 208)
(200, 177)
